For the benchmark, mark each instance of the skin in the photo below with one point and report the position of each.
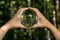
(13, 23)
(42, 22)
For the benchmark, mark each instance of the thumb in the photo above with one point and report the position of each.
(35, 26)
(23, 27)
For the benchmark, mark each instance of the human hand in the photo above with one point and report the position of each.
(42, 21)
(15, 22)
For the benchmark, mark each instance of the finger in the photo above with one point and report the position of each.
(30, 8)
(22, 26)
(39, 14)
(22, 10)
(38, 25)
(18, 11)
(35, 26)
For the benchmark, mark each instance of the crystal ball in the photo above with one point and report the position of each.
(28, 18)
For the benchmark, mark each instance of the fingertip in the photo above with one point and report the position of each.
(29, 8)
(33, 27)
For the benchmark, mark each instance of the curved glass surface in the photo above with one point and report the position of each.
(28, 18)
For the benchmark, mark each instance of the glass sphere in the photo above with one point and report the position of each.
(28, 18)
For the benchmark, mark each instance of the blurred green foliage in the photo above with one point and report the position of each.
(8, 8)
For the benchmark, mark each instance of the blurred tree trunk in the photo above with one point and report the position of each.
(47, 16)
(56, 7)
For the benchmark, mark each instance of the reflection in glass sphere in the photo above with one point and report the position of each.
(28, 18)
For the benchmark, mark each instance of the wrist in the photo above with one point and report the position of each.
(5, 27)
(49, 26)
